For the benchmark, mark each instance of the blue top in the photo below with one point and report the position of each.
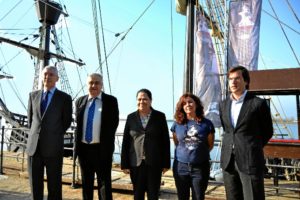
(192, 141)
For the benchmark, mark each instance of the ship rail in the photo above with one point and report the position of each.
(275, 168)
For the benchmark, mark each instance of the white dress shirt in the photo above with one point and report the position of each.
(236, 106)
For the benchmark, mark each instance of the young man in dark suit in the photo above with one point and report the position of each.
(247, 124)
(97, 117)
(49, 116)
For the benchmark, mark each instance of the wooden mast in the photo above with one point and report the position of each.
(48, 13)
(189, 55)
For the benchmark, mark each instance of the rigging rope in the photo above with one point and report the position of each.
(123, 37)
(94, 7)
(73, 53)
(291, 8)
(10, 10)
(285, 34)
(279, 21)
(172, 59)
(12, 83)
(275, 108)
(128, 30)
(104, 47)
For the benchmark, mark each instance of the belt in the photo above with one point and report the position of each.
(90, 146)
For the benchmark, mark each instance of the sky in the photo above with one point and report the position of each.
(142, 60)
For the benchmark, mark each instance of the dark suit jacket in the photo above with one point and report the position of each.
(50, 128)
(156, 142)
(252, 132)
(109, 124)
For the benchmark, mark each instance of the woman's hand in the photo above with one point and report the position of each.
(126, 171)
(175, 139)
(164, 170)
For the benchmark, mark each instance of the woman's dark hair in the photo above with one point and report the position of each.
(145, 91)
(245, 74)
(180, 115)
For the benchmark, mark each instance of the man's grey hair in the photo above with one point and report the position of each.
(51, 68)
(97, 75)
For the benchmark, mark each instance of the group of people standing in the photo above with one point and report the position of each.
(145, 153)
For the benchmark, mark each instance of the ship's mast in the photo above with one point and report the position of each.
(48, 13)
(189, 54)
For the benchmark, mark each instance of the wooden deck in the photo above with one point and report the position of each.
(14, 184)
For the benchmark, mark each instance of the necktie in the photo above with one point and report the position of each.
(44, 102)
(89, 123)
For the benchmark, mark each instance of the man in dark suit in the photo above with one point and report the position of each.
(97, 117)
(49, 116)
(247, 124)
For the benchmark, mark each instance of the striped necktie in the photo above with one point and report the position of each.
(89, 122)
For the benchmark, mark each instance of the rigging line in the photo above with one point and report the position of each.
(279, 21)
(262, 60)
(281, 120)
(94, 8)
(17, 29)
(22, 17)
(128, 30)
(285, 34)
(279, 101)
(3, 96)
(86, 22)
(72, 50)
(104, 47)
(142, 14)
(7, 62)
(291, 8)
(13, 85)
(172, 59)
(284, 115)
(82, 20)
(8, 12)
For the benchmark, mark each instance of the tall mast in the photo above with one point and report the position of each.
(189, 57)
(48, 13)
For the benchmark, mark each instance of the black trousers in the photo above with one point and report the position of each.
(36, 167)
(91, 164)
(146, 178)
(242, 186)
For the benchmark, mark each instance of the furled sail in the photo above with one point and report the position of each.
(181, 6)
(206, 74)
(244, 25)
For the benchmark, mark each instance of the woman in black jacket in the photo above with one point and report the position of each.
(146, 147)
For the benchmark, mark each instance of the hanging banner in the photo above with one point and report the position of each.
(206, 74)
(244, 25)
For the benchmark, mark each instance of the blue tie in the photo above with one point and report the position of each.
(89, 123)
(44, 103)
